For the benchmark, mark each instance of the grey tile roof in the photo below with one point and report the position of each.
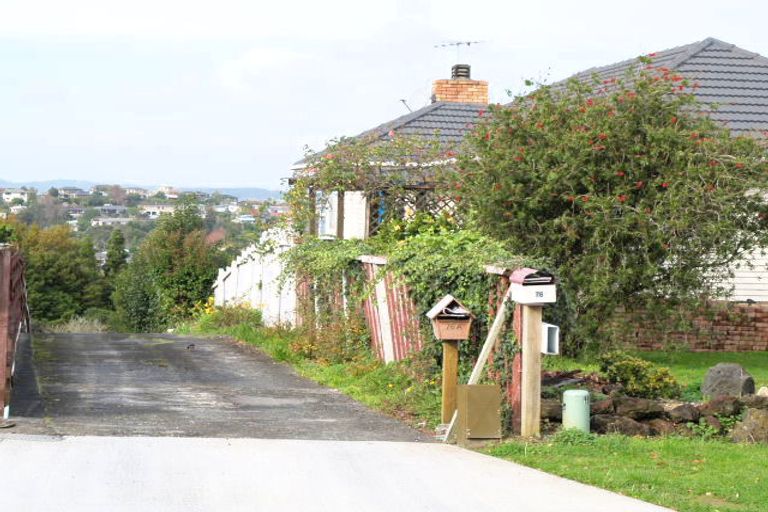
(732, 78)
(450, 122)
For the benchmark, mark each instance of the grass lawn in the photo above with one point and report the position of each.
(689, 475)
(689, 368)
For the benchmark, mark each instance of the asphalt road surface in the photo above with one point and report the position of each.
(158, 385)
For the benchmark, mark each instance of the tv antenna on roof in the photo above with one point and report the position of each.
(458, 45)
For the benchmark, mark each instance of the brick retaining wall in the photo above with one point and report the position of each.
(724, 326)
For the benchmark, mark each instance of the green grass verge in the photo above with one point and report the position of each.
(689, 475)
(689, 368)
(391, 388)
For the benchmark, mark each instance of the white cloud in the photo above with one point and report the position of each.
(248, 72)
(195, 19)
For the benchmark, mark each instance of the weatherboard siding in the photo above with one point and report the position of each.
(750, 279)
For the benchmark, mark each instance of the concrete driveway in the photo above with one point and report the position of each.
(158, 385)
(116, 474)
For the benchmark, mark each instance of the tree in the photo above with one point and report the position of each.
(63, 278)
(116, 255)
(117, 194)
(628, 191)
(172, 270)
(53, 192)
(44, 211)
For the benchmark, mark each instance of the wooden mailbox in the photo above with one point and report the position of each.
(451, 322)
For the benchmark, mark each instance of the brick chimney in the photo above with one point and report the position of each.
(460, 88)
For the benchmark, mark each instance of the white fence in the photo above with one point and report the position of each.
(253, 279)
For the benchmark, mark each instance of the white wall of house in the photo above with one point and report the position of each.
(750, 280)
(11, 194)
(355, 214)
(253, 279)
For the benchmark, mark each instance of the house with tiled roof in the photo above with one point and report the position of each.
(456, 104)
(732, 85)
(727, 77)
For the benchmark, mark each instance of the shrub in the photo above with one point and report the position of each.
(627, 191)
(172, 271)
(639, 377)
(78, 324)
(230, 316)
(574, 437)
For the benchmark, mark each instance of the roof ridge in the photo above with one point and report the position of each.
(693, 50)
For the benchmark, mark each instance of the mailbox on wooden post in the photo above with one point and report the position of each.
(532, 289)
(451, 322)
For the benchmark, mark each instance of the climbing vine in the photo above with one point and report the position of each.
(376, 166)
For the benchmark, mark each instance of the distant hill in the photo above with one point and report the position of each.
(42, 186)
(241, 193)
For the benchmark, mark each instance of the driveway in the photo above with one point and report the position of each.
(175, 424)
(158, 385)
(119, 474)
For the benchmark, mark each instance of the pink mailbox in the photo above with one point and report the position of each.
(531, 286)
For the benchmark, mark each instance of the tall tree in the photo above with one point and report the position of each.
(63, 277)
(624, 185)
(116, 255)
(172, 270)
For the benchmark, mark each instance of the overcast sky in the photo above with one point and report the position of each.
(228, 92)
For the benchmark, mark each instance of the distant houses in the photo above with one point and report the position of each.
(154, 211)
(72, 193)
(111, 221)
(11, 195)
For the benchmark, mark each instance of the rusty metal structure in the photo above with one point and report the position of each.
(390, 313)
(14, 317)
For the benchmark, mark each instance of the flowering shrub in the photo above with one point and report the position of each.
(623, 185)
(639, 377)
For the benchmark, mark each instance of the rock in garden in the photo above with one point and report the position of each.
(721, 406)
(638, 408)
(728, 379)
(713, 422)
(755, 402)
(660, 427)
(552, 410)
(753, 429)
(602, 406)
(610, 424)
(684, 413)
(763, 391)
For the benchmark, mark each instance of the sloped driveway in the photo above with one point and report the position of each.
(165, 423)
(159, 385)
